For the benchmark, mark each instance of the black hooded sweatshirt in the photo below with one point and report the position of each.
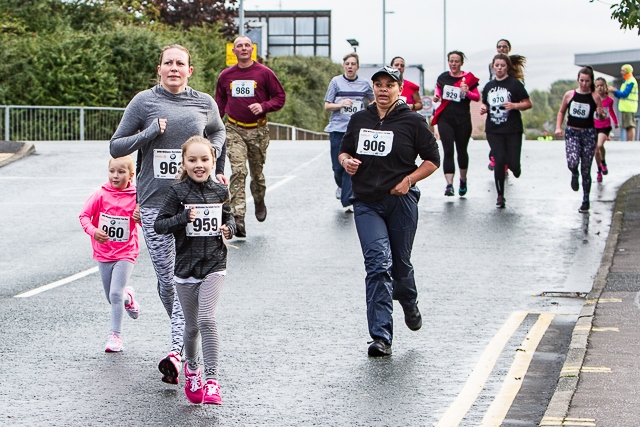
(378, 174)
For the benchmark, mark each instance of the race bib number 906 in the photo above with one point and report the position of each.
(166, 163)
(207, 221)
(116, 227)
(243, 88)
(375, 142)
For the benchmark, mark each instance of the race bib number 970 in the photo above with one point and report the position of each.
(375, 142)
(116, 227)
(166, 163)
(207, 221)
(243, 88)
(498, 97)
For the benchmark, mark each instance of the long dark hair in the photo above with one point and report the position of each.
(588, 71)
(515, 64)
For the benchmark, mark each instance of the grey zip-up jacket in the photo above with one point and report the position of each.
(195, 256)
(188, 113)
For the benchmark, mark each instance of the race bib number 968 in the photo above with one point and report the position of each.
(207, 221)
(375, 142)
(579, 110)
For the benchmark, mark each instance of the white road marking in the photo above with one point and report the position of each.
(57, 283)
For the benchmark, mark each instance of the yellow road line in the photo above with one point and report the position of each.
(557, 421)
(604, 329)
(476, 381)
(499, 408)
(592, 369)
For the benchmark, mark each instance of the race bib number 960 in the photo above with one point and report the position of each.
(166, 163)
(116, 227)
(375, 142)
(243, 88)
(207, 221)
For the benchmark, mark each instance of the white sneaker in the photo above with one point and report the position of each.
(348, 209)
(338, 193)
(130, 304)
(114, 344)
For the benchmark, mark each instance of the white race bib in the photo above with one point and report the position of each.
(451, 93)
(579, 110)
(166, 164)
(116, 227)
(354, 108)
(243, 88)
(207, 221)
(375, 142)
(498, 97)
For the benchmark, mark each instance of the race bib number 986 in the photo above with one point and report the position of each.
(116, 227)
(375, 142)
(243, 88)
(207, 221)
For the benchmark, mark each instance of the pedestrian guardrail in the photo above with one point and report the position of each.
(53, 123)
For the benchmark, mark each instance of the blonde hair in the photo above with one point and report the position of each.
(127, 160)
(195, 139)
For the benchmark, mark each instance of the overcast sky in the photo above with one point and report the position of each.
(548, 32)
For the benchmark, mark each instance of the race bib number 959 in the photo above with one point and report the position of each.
(375, 142)
(207, 221)
(116, 227)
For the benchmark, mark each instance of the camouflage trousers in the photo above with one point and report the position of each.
(246, 145)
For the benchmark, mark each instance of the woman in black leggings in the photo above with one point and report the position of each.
(456, 89)
(503, 99)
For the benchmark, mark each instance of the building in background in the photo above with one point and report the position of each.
(290, 32)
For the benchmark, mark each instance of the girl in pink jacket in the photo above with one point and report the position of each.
(107, 216)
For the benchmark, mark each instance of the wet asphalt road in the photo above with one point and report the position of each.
(292, 316)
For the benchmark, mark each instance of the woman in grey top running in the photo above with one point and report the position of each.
(156, 123)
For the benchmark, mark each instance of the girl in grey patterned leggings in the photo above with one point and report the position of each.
(196, 211)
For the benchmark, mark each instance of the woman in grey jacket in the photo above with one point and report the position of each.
(156, 123)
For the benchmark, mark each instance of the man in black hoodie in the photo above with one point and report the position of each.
(379, 151)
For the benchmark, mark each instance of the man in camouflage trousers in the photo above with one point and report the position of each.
(246, 92)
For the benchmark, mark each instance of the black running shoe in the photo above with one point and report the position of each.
(575, 185)
(462, 190)
(449, 190)
(412, 317)
(379, 348)
(500, 202)
(584, 208)
(241, 231)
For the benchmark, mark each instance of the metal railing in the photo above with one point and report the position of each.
(43, 123)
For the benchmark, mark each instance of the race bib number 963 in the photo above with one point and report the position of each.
(207, 221)
(375, 142)
(166, 163)
(116, 227)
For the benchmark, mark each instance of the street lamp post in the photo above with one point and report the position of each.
(354, 43)
(241, 19)
(444, 64)
(384, 31)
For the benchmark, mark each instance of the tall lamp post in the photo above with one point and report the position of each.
(384, 31)
(444, 60)
(241, 19)
(354, 43)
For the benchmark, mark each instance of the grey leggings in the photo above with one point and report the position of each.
(162, 251)
(115, 276)
(199, 301)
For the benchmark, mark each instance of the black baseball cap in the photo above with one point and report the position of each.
(390, 71)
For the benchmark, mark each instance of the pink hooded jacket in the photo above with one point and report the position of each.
(111, 201)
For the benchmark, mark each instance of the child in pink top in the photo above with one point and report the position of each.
(603, 127)
(107, 216)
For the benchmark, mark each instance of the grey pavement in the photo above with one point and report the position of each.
(292, 315)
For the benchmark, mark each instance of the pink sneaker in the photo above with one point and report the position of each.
(130, 304)
(114, 344)
(193, 385)
(170, 367)
(492, 163)
(599, 178)
(212, 393)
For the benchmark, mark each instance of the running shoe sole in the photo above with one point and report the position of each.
(170, 374)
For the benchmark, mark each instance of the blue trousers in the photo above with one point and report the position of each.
(386, 230)
(341, 177)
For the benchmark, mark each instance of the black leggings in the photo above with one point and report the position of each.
(455, 134)
(506, 149)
